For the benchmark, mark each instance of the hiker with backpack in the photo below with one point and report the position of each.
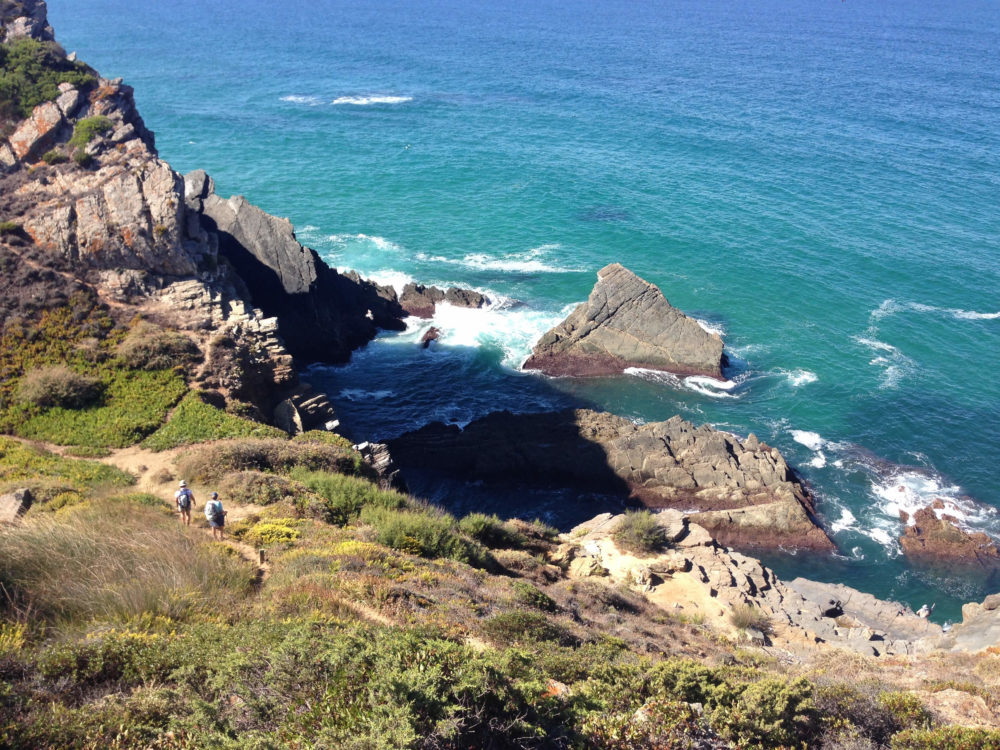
(185, 501)
(216, 516)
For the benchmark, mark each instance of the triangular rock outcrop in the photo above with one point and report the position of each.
(627, 322)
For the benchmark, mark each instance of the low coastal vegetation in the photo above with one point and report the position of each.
(380, 622)
(639, 533)
(30, 73)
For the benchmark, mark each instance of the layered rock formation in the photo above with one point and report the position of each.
(627, 322)
(743, 492)
(698, 577)
(936, 540)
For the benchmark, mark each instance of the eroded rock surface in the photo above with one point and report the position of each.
(743, 492)
(627, 322)
(936, 539)
(421, 301)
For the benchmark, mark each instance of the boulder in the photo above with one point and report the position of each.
(14, 504)
(627, 322)
(931, 539)
(26, 18)
(37, 133)
(421, 301)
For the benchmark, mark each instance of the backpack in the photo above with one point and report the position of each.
(213, 509)
(183, 498)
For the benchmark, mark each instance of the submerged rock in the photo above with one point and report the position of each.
(627, 322)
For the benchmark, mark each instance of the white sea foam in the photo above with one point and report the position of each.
(312, 101)
(379, 243)
(799, 378)
(368, 100)
(892, 307)
(396, 279)
(819, 460)
(895, 365)
(710, 386)
(530, 261)
(811, 440)
(359, 394)
(716, 328)
(512, 330)
(846, 522)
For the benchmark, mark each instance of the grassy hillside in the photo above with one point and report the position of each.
(378, 622)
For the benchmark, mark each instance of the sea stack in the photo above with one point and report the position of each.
(627, 322)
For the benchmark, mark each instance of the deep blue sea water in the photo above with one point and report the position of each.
(819, 181)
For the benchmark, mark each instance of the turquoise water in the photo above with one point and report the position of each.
(817, 180)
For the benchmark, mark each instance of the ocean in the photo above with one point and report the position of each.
(818, 181)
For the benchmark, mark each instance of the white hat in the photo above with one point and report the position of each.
(183, 483)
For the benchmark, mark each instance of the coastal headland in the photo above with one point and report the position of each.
(154, 330)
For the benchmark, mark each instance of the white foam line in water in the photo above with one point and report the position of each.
(312, 101)
(710, 386)
(370, 99)
(379, 243)
(529, 261)
(895, 365)
(359, 394)
(892, 307)
(716, 328)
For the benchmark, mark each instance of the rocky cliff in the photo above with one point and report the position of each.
(87, 206)
(743, 492)
(627, 322)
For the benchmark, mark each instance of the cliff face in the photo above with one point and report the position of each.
(88, 204)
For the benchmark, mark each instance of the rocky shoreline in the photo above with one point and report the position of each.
(111, 219)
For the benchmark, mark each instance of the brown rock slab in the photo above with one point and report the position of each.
(940, 540)
(627, 322)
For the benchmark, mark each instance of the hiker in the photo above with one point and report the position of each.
(216, 517)
(185, 501)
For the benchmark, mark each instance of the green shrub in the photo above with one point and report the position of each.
(524, 627)
(9, 227)
(208, 463)
(323, 436)
(768, 713)
(88, 128)
(194, 421)
(54, 157)
(81, 157)
(947, 738)
(491, 532)
(425, 532)
(260, 488)
(135, 404)
(20, 462)
(266, 533)
(746, 616)
(840, 704)
(57, 385)
(529, 595)
(148, 347)
(639, 533)
(341, 497)
(906, 708)
(30, 73)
